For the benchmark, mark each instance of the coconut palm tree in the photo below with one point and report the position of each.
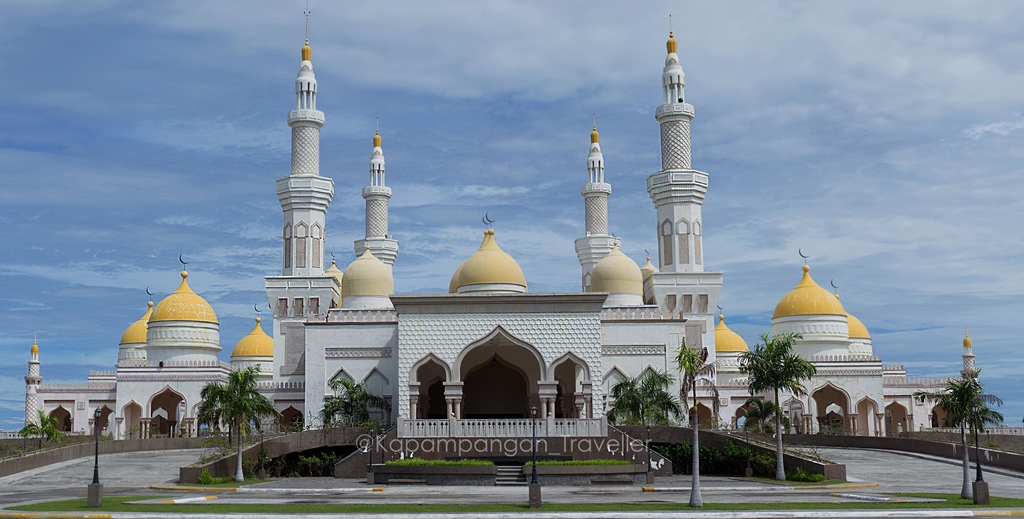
(695, 370)
(48, 428)
(644, 400)
(956, 400)
(350, 404)
(773, 366)
(761, 414)
(239, 403)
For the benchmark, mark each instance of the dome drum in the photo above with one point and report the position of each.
(813, 327)
(182, 341)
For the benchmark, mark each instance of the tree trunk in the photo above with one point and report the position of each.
(780, 469)
(966, 492)
(695, 498)
(239, 476)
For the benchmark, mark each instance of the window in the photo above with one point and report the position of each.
(297, 307)
(670, 302)
(314, 305)
(288, 246)
(300, 246)
(282, 307)
(702, 303)
(684, 241)
(696, 243)
(316, 245)
(666, 243)
(687, 303)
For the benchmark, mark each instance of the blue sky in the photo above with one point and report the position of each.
(884, 139)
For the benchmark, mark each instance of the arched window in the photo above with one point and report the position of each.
(316, 245)
(696, 243)
(300, 245)
(666, 243)
(288, 246)
(683, 227)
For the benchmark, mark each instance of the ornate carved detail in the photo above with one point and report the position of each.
(675, 144)
(597, 214)
(637, 349)
(376, 218)
(358, 353)
(305, 150)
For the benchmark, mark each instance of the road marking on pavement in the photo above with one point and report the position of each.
(339, 490)
(183, 500)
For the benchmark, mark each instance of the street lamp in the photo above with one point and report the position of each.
(96, 464)
(534, 485)
(977, 450)
(746, 437)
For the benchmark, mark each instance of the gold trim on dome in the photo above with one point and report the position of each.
(136, 332)
(808, 299)
(183, 305)
(726, 339)
(256, 344)
(617, 273)
(490, 265)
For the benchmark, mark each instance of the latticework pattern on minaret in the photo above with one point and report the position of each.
(597, 215)
(305, 150)
(376, 218)
(30, 409)
(675, 145)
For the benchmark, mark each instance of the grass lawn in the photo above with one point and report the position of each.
(226, 484)
(117, 504)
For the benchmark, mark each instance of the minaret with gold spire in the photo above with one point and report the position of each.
(970, 370)
(597, 243)
(304, 194)
(32, 382)
(377, 239)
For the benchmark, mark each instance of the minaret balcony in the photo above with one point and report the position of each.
(309, 116)
(596, 188)
(676, 109)
(376, 191)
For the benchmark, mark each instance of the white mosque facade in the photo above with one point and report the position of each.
(478, 360)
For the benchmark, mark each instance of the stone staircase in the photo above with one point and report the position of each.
(510, 475)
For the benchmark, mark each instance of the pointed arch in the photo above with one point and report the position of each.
(430, 357)
(287, 235)
(342, 373)
(683, 230)
(665, 231)
(376, 382)
(301, 232)
(316, 234)
(615, 374)
(497, 333)
(569, 357)
(166, 388)
(697, 237)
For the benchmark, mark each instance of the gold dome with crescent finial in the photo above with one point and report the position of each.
(256, 344)
(183, 305)
(335, 272)
(616, 273)
(726, 339)
(648, 269)
(808, 299)
(367, 276)
(490, 265)
(136, 332)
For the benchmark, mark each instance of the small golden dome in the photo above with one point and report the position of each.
(616, 273)
(594, 136)
(335, 272)
(967, 340)
(183, 305)
(808, 299)
(726, 339)
(367, 276)
(671, 43)
(136, 332)
(256, 344)
(490, 265)
(856, 329)
(35, 347)
(376, 139)
(648, 269)
(453, 285)
(307, 53)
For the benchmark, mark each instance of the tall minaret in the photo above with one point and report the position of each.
(597, 243)
(969, 368)
(32, 381)
(304, 194)
(377, 195)
(677, 190)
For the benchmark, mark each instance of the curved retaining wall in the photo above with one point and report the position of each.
(992, 457)
(80, 450)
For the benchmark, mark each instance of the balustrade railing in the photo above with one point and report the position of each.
(502, 428)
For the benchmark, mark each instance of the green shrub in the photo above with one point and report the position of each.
(803, 475)
(731, 460)
(420, 462)
(205, 478)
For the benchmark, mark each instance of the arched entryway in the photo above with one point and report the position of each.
(291, 419)
(497, 377)
(867, 410)
(573, 380)
(132, 423)
(938, 417)
(63, 417)
(833, 408)
(104, 422)
(705, 419)
(164, 411)
(426, 388)
(896, 420)
(793, 412)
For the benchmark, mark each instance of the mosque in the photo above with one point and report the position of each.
(482, 358)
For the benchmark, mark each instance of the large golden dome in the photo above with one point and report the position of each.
(616, 273)
(136, 332)
(808, 299)
(183, 305)
(726, 339)
(256, 344)
(367, 276)
(453, 285)
(490, 265)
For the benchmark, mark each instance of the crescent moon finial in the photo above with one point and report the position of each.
(800, 251)
(257, 309)
(183, 262)
(833, 283)
(149, 293)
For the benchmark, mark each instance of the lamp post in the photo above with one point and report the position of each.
(534, 484)
(263, 457)
(980, 487)
(650, 469)
(95, 497)
(749, 472)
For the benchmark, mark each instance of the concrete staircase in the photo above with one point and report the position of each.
(510, 475)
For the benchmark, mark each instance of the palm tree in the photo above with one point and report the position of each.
(48, 428)
(239, 403)
(644, 400)
(956, 400)
(774, 366)
(695, 370)
(350, 404)
(761, 414)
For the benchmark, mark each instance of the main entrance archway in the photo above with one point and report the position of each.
(833, 407)
(63, 417)
(164, 411)
(499, 376)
